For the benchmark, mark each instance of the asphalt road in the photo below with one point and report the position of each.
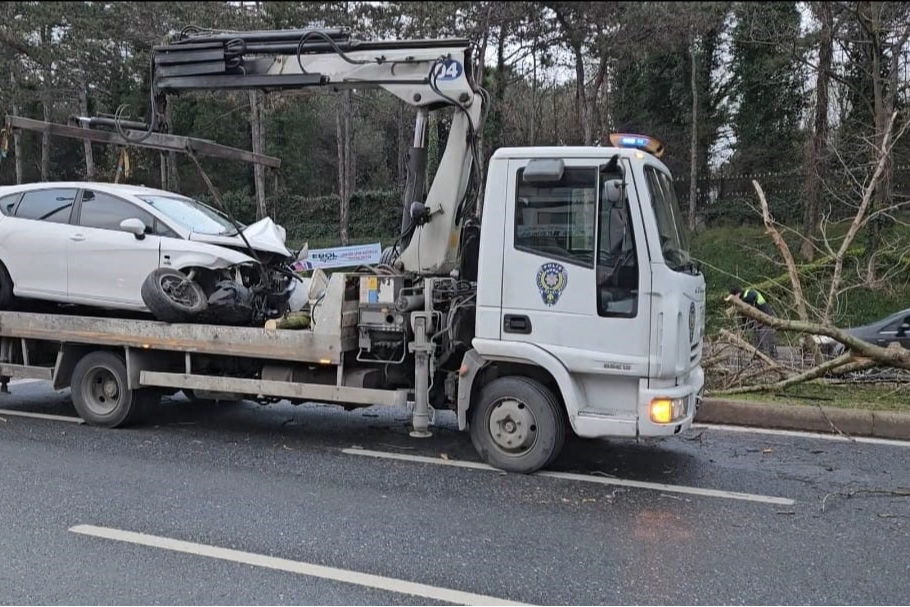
(823, 522)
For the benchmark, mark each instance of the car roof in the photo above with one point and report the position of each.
(120, 188)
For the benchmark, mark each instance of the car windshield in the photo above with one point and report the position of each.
(674, 238)
(192, 215)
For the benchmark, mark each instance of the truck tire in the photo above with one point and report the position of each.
(172, 297)
(7, 299)
(517, 425)
(100, 393)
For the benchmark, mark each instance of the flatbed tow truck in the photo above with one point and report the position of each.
(566, 301)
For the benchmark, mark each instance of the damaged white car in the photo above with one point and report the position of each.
(142, 249)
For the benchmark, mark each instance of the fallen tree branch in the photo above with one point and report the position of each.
(854, 492)
(772, 231)
(742, 344)
(893, 356)
(809, 375)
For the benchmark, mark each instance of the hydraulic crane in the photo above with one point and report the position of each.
(428, 74)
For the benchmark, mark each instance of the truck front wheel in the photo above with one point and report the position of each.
(100, 393)
(517, 425)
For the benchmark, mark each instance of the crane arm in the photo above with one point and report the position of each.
(428, 74)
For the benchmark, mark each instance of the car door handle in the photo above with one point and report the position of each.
(77, 237)
(517, 324)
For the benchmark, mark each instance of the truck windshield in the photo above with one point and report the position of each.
(192, 215)
(674, 240)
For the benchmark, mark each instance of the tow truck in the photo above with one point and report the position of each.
(559, 297)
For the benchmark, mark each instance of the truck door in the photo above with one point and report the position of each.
(576, 277)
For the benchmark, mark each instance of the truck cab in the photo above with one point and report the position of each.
(587, 291)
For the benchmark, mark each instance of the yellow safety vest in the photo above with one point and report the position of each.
(759, 298)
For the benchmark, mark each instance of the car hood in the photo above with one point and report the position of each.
(264, 235)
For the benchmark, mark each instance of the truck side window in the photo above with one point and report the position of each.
(556, 220)
(617, 261)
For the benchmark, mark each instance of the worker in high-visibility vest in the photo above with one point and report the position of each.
(764, 336)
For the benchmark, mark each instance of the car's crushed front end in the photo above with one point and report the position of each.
(237, 279)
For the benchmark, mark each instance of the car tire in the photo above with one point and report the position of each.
(187, 306)
(101, 395)
(523, 412)
(7, 299)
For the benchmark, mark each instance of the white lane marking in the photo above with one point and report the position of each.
(330, 573)
(798, 434)
(582, 477)
(56, 418)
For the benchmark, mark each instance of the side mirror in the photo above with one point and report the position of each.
(135, 226)
(902, 331)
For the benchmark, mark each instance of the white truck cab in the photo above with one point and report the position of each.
(585, 274)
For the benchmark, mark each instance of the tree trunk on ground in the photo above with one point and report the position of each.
(892, 356)
(258, 169)
(693, 149)
(815, 152)
(87, 145)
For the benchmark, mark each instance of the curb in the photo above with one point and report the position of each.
(852, 422)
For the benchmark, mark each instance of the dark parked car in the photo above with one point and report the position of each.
(894, 328)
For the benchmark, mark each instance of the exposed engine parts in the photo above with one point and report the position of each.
(246, 295)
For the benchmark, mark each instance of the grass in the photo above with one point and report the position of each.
(890, 397)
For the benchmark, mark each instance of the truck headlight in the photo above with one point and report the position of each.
(667, 410)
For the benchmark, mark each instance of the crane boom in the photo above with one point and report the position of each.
(428, 74)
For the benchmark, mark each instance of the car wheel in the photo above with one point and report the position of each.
(172, 297)
(7, 299)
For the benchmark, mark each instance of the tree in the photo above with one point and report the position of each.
(766, 81)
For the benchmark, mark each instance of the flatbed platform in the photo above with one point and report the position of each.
(249, 342)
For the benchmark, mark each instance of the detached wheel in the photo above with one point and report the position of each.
(100, 392)
(172, 296)
(517, 425)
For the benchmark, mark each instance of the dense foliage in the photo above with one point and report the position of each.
(729, 87)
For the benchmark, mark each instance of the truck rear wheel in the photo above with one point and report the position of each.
(100, 392)
(517, 425)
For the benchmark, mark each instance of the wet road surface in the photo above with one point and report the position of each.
(242, 504)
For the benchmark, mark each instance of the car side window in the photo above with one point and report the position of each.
(8, 203)
(105, 212)
(54, 205)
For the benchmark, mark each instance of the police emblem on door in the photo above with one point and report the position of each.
(551, 281)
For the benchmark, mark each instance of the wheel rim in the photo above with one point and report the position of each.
(513, 427)
(179, 290)
(101, 391)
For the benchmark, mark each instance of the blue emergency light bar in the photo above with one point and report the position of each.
(638, 142)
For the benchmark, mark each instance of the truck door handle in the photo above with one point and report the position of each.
(77, 237)
(517, 324)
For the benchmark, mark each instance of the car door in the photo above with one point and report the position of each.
(35, 235)
(107, 264)
(573, 281)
